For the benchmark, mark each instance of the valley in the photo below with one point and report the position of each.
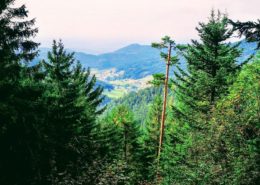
(129, 68)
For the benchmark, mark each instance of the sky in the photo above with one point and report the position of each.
(99, 26)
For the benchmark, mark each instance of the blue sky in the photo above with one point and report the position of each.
(98, 26)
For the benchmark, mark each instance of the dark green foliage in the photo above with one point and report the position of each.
(150, 140)
(47, 112)
(71, 103)
(234, 138)
(251, 30)
(50, 134)
(211, 64)
(122, 145)
(212, 68)
(19, 105)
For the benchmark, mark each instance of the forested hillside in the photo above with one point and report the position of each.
(193, 125)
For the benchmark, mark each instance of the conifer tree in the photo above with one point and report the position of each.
(15, 46)
(250, 29)
(20, 111)
(123, 144)
(235, 131)
(211, 68)
(150, 140)
(72, 106)
(158, 78)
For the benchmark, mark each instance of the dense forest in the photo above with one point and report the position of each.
(199, 125)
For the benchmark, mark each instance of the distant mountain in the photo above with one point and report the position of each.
(136, 61)
(128, 69)
(248, 49)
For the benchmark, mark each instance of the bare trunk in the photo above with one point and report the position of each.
(164, 107)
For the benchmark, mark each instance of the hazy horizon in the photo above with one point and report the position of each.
(100, 53)
(103, 26)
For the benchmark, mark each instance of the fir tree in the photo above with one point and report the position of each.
(250, 29)
(234, 135)
(20, 110)
(72, 106)
(150, 140)
(15, 46)
(211, 68)
(123, 143)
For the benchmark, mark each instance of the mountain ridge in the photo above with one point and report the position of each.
(136, 60)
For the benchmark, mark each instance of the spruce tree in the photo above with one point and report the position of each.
(122, 145)
(20, 110)
(212, 65)
(250, 29)
(72, 101)
(235, 130)
(150, 140)
(16, 46)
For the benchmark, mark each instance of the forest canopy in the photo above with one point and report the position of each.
(199, 125)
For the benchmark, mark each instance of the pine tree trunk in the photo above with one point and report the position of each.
(164, 103)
